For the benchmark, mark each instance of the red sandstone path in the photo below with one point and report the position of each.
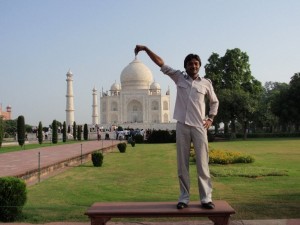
(16, 163)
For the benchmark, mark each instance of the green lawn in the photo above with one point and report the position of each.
(148, 173)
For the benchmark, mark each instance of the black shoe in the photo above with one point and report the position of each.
(181, 205)
(208, 205)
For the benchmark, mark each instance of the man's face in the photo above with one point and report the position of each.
(192, 68)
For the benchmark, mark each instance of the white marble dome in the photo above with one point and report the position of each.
(136, 76)
(155, 86)
(115, 87)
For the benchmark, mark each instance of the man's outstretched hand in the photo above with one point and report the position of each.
(139, 48)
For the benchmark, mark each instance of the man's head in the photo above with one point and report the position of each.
(189, 57)
(192, 64)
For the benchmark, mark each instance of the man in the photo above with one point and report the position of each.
(192, 123)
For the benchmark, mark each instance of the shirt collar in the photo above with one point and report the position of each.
(186, 76)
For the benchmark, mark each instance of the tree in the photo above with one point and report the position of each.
(64, 132)
(10, 127)
(85, 132)
(263, 118)
(279, 103)
(74, 130)
(238, 91)
(294, 99)
(54, 132)
(1, 130)
(21, 130)
(40, 133)
(79, 131)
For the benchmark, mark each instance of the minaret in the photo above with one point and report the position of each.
(70, 100)
(95, 118)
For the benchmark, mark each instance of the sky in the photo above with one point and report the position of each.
(41, 40)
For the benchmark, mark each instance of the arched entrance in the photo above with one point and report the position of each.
(135, 112)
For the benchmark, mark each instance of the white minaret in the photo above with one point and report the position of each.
(95, 118)
(70, 100)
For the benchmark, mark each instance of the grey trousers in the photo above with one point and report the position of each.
(186, 134)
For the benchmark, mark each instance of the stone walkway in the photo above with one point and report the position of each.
(25, 163)
(20, 162)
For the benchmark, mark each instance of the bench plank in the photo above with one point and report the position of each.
(100, 213)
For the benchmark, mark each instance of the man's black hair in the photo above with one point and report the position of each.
(189, 57)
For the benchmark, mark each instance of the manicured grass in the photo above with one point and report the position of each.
(148, 173)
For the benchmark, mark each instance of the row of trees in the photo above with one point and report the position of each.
(77, 132)
(244, 101)
(21, 131)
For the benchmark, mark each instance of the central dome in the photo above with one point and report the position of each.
(136, 76)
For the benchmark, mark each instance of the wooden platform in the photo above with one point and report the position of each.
(100, 213)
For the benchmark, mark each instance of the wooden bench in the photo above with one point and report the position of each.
(100, 213)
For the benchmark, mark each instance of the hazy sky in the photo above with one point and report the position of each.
(40, 40)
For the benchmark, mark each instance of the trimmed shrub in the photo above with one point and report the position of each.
(122, 147)
(132, 143)
(139, 138)
(12, 198)
(223, 157)
(79, 132)
(1, 131)
(74, 131)
(227, 157)
(21, 130)
(64, 132)
(40, 133)
(54, 132)
(97, 159)
(85, 132)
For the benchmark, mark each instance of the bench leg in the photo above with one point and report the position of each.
(99, 220)
(224, 220)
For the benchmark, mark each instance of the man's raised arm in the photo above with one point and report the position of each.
(155, 58)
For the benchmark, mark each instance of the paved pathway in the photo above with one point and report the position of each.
(16, 163)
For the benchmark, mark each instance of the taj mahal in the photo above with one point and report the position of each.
(136, 102)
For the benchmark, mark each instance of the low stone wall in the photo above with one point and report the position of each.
(36, 175)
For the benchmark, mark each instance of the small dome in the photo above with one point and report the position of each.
(136, 76)
(69, 72)
(155, 86)
(115, 87)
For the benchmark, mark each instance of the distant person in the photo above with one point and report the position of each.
(99, 135)
(192, 124)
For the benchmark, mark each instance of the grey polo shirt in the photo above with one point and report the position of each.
(190, 100)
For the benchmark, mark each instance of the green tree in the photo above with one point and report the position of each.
(64, 132)
(279, 104)
(10, 127)
(238, 91)
(40, 133)
(1, 130)
(294, 99)
(21, 130)
(85, 132)
(264, 120)
(54, 132)
(74, 130)
(79, 132)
